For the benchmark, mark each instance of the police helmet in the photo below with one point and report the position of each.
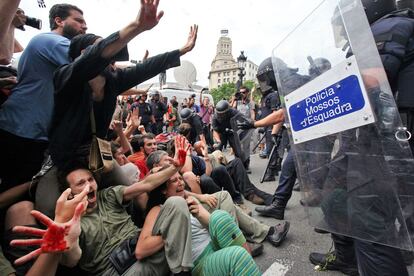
(186, 114)
(266, 75)
(222, 109)
(375, 9)
(319, 66)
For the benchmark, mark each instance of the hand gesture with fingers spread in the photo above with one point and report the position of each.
(181, 148)
(191, 41)
(58, 237)
(148, 16)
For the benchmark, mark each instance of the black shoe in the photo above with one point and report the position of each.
(256, 249)
(280, 231)
(296, 187)
(248, 171)
(330, 262)
(275, 210)
(269, 178)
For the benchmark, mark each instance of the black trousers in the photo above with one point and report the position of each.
(371, 258)
(218, 180)
(20, 160)
(242, 182)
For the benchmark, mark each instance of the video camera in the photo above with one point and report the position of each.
(238, 96)
(32, 22)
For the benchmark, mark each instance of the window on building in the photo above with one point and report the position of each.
(218, 81)
(219, 74)
(234, 72)
(234, 79)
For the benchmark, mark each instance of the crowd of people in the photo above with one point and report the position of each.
(164, 200)
(116, 183)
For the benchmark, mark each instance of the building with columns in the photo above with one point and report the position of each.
(224, 68)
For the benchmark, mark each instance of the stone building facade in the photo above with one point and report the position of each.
(224, 68)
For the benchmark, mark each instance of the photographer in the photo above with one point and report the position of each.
(242, 102)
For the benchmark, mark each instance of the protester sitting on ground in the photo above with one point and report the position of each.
(142, 145)
(195, 246)
(238, 174)
(94, 247)
(254, 229)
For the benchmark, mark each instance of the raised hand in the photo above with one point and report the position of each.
(181, 149)
(191, 41)
(148, 16)
(58, 237)
(116, 126)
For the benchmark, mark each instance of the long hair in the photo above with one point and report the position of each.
(157, 197)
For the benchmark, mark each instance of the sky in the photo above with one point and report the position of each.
(255, 27)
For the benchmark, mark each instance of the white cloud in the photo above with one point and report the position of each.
(254, 26)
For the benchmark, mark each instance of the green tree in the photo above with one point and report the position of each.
(227, 90)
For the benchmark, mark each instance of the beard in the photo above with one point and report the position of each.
(69, 32)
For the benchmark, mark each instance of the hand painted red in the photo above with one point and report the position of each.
(58, 237)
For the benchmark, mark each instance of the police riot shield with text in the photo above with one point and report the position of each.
(351, 151)
(241, 138)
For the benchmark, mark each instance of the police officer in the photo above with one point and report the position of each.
(270, 102)
(393, 30)
(191, 126)
(287, 177)
(158, 109)
(222, 129)
(145, 112)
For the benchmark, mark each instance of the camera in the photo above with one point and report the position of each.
(193, 96)
(238, 96)
(32, 22)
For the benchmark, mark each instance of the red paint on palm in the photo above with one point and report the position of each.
(54, 239)
(181, 156)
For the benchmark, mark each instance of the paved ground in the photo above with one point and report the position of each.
(291, 258)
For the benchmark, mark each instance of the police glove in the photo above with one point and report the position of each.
(246, 124)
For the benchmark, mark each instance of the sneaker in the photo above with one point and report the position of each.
(244, 208)
(331, 262)
(280, 231)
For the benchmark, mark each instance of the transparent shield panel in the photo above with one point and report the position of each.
(351, 151)
(241, 141)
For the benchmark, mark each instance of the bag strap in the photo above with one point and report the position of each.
(93, 124)
(205, 112)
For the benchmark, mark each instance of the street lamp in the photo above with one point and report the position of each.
(241, 61)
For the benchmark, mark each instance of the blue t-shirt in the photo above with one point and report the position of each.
(28, 111)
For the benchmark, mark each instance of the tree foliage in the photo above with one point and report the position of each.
(227, 90)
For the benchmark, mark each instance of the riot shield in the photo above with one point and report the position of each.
(351, 151)
(240, 141)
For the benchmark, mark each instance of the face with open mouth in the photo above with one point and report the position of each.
(175, 186)
(78, 179)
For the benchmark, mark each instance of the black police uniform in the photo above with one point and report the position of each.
(269, 103)
(158, 109)
(196, 128)
(145, 112)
